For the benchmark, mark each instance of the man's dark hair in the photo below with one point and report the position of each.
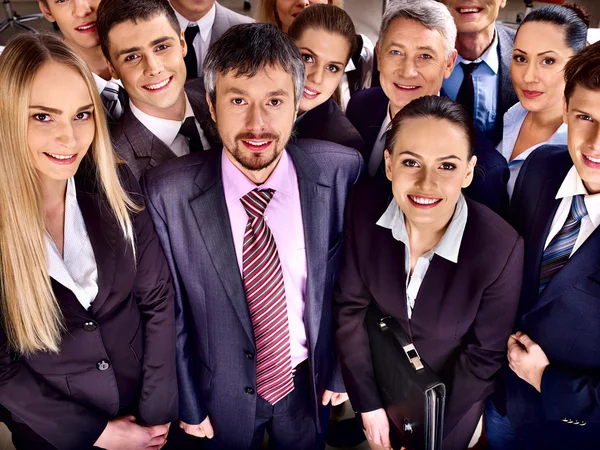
(249, 48)
(433, 106)
(114, 12)
(583, 70)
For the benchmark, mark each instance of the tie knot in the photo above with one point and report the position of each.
(578, 209)
(188, 128)
(468, 69)
(111, 91)
(191, 31)
(255, 202)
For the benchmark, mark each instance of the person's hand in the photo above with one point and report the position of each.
(336, 398)
(125, 434)
(377, 428)
(527, 359)
(204, 430)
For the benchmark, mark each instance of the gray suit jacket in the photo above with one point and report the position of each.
(224, 20)
(141, 149)
(215, 339)
(506, 91)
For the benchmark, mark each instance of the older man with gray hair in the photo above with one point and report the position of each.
(252, 234)
(415, 53)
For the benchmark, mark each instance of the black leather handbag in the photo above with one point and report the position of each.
(413, 396)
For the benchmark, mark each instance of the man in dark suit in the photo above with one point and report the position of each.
(145, 47)
(203, 23)
(481, 79)
(551, 398)
(253, 236)
(415, 54)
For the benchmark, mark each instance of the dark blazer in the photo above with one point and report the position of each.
(463, 313)
(327, 122)
(141, 149)
(506, 91)
(117, 356)
(215, 343)
(491, 175)
(563, 319)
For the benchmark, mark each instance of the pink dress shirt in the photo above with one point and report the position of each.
(284, 217)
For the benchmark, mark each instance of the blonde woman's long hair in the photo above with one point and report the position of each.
(266, 11)
(31, 316)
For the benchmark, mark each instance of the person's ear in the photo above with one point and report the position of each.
(450, 63)
(377, 54)
(387, 157)
(46, 11)
(502, 4)
(470, 172)
(184, 48)
(211, 108)
(565, 110)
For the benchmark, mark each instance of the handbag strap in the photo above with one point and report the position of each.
(389, 324)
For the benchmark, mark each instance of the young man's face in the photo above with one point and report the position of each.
(582, 115)
(147, 57)
(76, 20)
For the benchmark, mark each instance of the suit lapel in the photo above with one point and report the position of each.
(143, 142)
(506, 92)
(221, 24)
(212, 216)
(197, 97)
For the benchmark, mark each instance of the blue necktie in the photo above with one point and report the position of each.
(559, 250)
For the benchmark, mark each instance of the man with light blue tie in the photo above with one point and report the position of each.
(481, 78)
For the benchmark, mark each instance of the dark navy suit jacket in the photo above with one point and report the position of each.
(367, 110)
(564, 319)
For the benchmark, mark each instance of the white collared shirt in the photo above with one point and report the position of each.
(379, 146)
(448, 247)
(202, 39)
(573, 185)
(101, 82)
(168, 130)
(513, 121)
(77, 270)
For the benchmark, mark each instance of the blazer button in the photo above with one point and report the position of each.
(90, 326)
(103, 365)
(565, 420)
(249, 355)
(582, 423)
(249, 391)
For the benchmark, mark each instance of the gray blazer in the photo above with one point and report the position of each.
(224, 20)
(506, 91)
(216, 364)
(141, 149)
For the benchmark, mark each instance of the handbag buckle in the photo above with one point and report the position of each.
(413, 356)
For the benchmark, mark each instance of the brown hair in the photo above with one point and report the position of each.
(266, 11)
(583, 70)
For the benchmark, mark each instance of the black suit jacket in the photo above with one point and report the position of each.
(327, 122)
(141, 149)
(65, 398)
(463, 313)
(367, 110)
(563, 319)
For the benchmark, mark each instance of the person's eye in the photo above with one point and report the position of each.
(238, 101)
(519, 59)
(307, 58)
(131, 57)
(585, 117)
(60, 1)
(275, 102)
(84, 115)
(410, 163)
(395, 52)
(333, 68)
(162, 47)
(42, 117)
(426, 56)
(548, 61)
(447, 166)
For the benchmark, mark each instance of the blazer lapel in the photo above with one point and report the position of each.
(221, 24)
(143, 142)
(212, 216)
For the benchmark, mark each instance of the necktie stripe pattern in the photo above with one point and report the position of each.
(110, 97)
(265, 294)
(559, 250)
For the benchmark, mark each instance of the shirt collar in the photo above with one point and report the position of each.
(101, 82)
(489, 57)
(205, 23)
(164, 129)
(449, 245)
(573, 185)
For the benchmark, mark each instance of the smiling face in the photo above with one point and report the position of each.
(412, 62)
(287, 10)
(539, 57)
(325, 56)
(474, 16)
(583, 119)
(147, 57)
(428, 170)
(76, 20)
(61, 122)
(254, 117)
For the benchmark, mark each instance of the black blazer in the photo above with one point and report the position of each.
(141, 149)
(463, 313)
(117, 356)
(491, 174)
(563, 319)
(327, 122)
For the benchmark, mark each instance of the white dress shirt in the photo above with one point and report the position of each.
(379, 146)
(202, 39)
(448, 247)
(513, 121)
(168, 130)
(573, 185)
(76, 270)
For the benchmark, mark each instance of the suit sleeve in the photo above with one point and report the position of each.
(191, 409)
(484, 349)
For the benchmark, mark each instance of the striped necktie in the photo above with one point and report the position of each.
(559, 250)
(265, 294)
(110, 98)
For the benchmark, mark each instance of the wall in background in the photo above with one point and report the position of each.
(509, 13)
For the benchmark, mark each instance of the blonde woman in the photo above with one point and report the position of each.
(87, 333)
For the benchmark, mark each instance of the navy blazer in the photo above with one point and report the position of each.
(564, 319)
(215, 339)
(367, 110)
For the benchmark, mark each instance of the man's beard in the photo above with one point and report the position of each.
(256, 161)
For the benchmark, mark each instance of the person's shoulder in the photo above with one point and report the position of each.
(490, 227)
(195, 86)
(331, 158)
(368, 96)
(547, 159)
(233, 17)
(177, 172)
(505, 31)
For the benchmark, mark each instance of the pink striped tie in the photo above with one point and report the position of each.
(265, 293)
